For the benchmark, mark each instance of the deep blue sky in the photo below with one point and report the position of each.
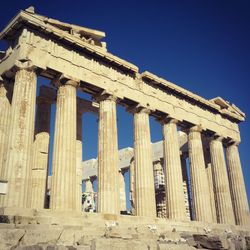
(203, 46)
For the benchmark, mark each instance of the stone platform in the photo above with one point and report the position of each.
(33, 229)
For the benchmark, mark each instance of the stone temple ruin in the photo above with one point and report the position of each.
(203, 133)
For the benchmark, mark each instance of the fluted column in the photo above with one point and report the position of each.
(21, 134)
(200, 191)
(63, 190)
(186, 186)
(40, 154)
(145, 204)
(5, 107)
(237, 186)
(78, 175)
(132, 186)
(224, 206)
(174, 187)
(122, 184)
(108, 183)
(210, 182)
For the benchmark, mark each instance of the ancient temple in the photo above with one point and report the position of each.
(76, 58)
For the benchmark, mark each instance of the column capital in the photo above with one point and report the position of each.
(168, 119)
(105, 96)
(196, 128)
(232, 142)
(139, 109)
(26, 65)
(63, 79)
(217, 137)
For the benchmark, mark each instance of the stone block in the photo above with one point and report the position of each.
(10, 237)
(33, 237)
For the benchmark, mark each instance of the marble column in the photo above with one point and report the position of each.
(108, 182)
(21, 134)
(5, 108)
(237, 186)
(145, 204)
(210, 183)
(132, 186)
(224, 206)
(200, 191)
(79, 159)
(172, 164)
(78, 175)
(122, 186)
(40, 153)
(63, 190)
(186, 186)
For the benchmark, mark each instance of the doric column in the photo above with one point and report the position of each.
(210, 182)
(63, 190)
(224, 206)
(123, 206)
(186, 186)
(237, 185)
(78, 175)
(132, 186)
(21, 134)
(108, 184)
(145, 204)
(5, 107)
(200, 191)
(174, 186)
(40, 154)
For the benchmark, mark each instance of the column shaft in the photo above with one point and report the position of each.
(123, 206)
(108, 184)
(224, 206)
(63, 190)
(237, 185)
(200, 191)
(40, 155)
(211, 191)
(5, 108)
(174, 186)
(78, 175)
(21, 134)
(145, 204)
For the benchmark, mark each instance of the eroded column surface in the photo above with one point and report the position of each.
(172, 164)
(199, 184)
(145, 204)
(108, 183)
(78, 175)
(186, 187)
(63, 190)
(224, 206)
(123, 206)
(210, 183)
(21, 134)
(39, 167)
(237, 186)
(5, 107)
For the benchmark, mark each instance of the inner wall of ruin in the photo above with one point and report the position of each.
(185, 177)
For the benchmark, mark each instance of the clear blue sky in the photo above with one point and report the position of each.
(203, 46)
